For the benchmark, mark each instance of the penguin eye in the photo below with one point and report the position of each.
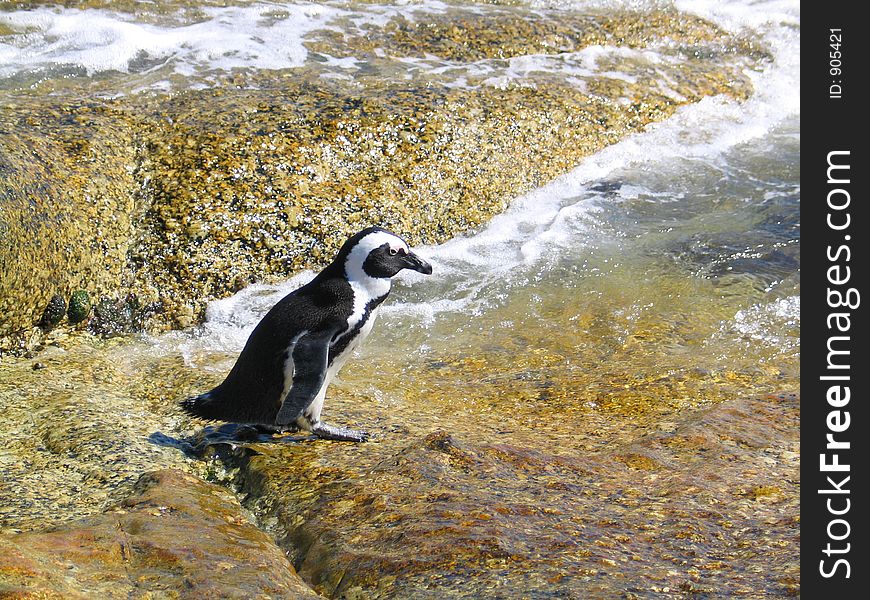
(393, 251)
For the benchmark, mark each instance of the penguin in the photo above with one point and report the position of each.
(279, 380)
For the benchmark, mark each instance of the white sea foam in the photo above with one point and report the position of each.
(766, 322)
(574, 68)
(229, 321)
(258, 36)
(548, 216)
(269, 35)
(61, 41)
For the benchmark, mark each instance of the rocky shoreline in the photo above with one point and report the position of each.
(153, 204)
(128, 212)
(570, 524)
(344, 516)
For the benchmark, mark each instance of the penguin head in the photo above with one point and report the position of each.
(379, 254)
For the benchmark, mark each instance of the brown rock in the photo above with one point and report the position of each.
(175, 537)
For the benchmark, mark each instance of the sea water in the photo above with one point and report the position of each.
(673, 251)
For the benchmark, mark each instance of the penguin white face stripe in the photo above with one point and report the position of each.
(375, 287)
(376, 240)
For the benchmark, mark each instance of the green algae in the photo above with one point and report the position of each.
(54, 311)
(79, 306)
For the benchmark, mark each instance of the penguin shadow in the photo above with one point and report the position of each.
(228, 437)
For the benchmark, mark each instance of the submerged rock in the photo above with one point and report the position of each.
(470, 517)
(507, 468)
(175, 536)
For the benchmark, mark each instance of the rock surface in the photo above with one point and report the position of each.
(174, 537)
(669, 485)
(169, 200)
(566, 444)
(78, 431)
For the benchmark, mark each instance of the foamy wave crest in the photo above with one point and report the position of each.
(561, 214)
(258, 36)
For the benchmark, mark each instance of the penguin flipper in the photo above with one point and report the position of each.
(310, 360)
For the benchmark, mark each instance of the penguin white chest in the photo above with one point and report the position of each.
(364, 331)
(357, 340)
(316, 407)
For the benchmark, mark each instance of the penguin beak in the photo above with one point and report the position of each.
(415, 263)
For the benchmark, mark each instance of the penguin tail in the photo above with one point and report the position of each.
(203, 406)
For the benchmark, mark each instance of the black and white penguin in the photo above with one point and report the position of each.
(279, 380)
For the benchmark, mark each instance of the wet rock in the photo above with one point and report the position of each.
(175, 536)
(76, 431)
(111, 318)
(54, 312)
(181, 198)
(79, 306)
(503, 472)
(66, 202)
(463, 34)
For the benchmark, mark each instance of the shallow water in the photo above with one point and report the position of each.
(577, 403)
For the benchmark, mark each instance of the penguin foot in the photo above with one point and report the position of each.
(340, 434)
(275, 429)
